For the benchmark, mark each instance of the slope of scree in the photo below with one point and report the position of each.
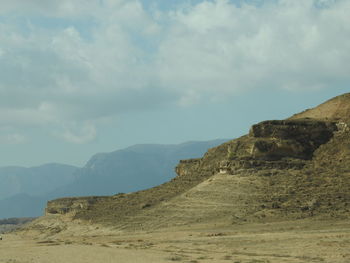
(288, 169)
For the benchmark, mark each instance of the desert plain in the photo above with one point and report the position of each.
(278, 194)
(289, 241)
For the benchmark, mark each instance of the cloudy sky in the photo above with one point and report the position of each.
(79, 77)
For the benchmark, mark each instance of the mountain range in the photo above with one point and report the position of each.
(38, 180)
(289, 169)
(24, 192)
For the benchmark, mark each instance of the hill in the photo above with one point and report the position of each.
(336, 109)
(282, 170)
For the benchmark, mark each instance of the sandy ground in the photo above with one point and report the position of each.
(295, 241)
(20, 250)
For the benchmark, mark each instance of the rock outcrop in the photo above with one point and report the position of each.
(72, 204)
(283, 169)
(290, 138)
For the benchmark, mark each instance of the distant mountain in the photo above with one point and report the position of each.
(22, 205)
(282, 170)
(131, 169)
(25, 191)
(38, 180)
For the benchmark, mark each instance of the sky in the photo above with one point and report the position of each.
(80, 77)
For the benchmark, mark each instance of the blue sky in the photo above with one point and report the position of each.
(79, 77)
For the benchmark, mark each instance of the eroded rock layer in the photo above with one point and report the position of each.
(284, 169)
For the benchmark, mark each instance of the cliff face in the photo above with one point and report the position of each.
(283, 169)
(296, 139)
(277, 144)
(72, 204)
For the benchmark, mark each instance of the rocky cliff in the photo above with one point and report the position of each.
(72, 204)
(283, 169)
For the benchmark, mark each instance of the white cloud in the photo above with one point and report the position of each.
(77, 133)
(11, 138)
(218, 47)
(24, 117)
(64, 62)
(59, 8)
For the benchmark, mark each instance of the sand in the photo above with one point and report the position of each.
(294, 241)
(23, 250)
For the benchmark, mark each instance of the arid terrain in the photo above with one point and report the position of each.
(278, 194)
(289, 241)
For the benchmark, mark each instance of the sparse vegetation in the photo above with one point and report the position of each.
(269, 204)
